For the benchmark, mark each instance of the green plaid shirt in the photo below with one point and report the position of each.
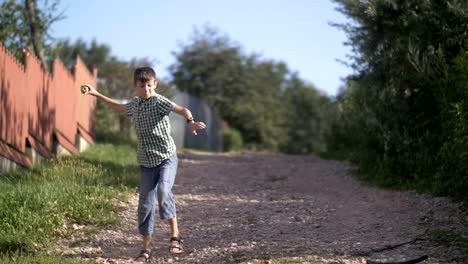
(151, 121)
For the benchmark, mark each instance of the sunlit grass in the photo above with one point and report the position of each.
(38, 206)
(40, 259)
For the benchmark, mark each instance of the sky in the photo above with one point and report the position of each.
(296, 32)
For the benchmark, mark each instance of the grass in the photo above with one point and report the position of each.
(37, 206)
(40, 259)
(377, 174)
(452, 239)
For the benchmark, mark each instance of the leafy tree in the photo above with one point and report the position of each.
(13, 32)
(115, 75)
(27, 24)
(243, 90)
(402, 51)
(266, 113)
(232, 140)
(306, 113)
(453, 171)
(95, 55)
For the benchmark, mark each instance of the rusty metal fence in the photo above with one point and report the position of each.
(40, 111)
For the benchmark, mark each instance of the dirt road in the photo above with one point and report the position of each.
(265, 208)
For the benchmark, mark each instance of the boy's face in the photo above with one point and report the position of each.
(145, 90)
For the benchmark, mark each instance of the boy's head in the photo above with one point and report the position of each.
(144, 74)
(144, 80)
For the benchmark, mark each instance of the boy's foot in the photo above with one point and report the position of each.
(177, 245)
(143, 256)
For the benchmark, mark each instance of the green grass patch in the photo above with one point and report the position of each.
(334, 154)
(452, 239)
(40, 259)
(37, 206)
(371, 170)
(424, 184)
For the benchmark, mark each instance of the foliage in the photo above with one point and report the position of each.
(13, 32)
(397, 112)
(450, 238)
(305, 121)
(21, 27)
(107, 121)
(452, 176)
(69, 190)
(93, 54)
(232, 139)
(115, 75)
(247, 91)
(254, 95)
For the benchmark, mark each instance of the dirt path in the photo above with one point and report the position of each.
(265, 208)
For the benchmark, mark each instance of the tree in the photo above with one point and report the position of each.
(305, 123)
(261, 108)
(94, 54)
(27, 25)
(244, 90)
(402, 51)
(13, 32)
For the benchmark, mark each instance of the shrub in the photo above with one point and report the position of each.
(232, 139)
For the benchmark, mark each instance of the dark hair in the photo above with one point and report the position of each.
(144, 74)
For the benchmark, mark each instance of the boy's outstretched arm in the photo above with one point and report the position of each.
(185, 112)
(112, 103)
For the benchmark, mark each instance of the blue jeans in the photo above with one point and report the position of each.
(156, 182)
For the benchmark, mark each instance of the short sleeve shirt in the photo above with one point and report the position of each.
(151, 120)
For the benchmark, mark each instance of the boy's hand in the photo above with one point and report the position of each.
(91, 90)
(194, 126)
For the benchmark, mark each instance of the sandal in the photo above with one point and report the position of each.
(143, 256)
(176, 245)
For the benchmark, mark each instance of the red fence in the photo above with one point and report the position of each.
(39, 109)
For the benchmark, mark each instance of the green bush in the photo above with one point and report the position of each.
(106, 119)
(452, 176)
(402, 118)
(232, 139)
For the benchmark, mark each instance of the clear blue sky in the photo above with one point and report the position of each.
(294, 31)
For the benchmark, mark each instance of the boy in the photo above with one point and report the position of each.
(156, 153)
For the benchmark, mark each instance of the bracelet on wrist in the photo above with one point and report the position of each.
(190, 120)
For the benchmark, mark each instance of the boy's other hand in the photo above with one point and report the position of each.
(194, 126)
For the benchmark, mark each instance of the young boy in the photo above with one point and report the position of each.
(156, 153)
